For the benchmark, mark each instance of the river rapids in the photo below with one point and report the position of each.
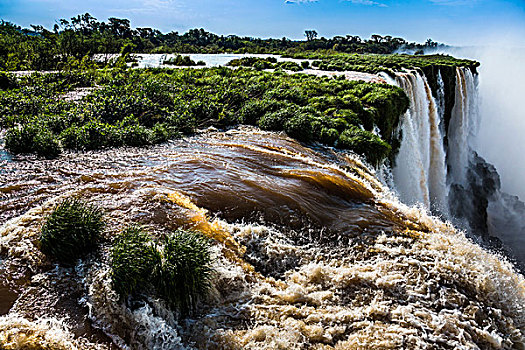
(311, 251)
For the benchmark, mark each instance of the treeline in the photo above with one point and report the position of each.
(71, 41)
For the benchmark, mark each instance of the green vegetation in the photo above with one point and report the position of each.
(32, 138)
(71, 231)
(265, 63)
(138, 107)
(430, 65)
(381, 63)
(179, 269)
(186, 270)
(134, 259)
(184, 61)
(74, 42)
(143, 107)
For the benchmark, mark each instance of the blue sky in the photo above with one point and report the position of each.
(457, 22)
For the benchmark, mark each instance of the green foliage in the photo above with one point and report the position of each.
(148, 106)
(255, 62)
(291, 66)
(75, 40)
(366, 143)
(134, 258)
(71, 230)
(329, 136)
(162, 133)
(274, 121)
(186, 269)
(7, 81)
(265, 63)
(91, 136)
(136, 135)
(32, 138)
(299, 126)
(371, 63)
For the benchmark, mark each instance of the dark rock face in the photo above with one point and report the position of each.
(495, 218)
(470, 201)
(506, 220)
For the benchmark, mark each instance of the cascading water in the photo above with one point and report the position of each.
(420, 171)
(463, 125)
(459, 184)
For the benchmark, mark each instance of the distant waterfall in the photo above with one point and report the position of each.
(420, 172)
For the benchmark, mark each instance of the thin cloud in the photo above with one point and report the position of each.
(367, 3)
(299, 1)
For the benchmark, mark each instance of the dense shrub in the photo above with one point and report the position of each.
(291, 66)
(32, 138)
(365, 143)
(71, 230)
(329, 136)
(134, 258)
(21, 139)
(162, 133)
(46, 144)
(136, 135)
(275, 121)
(299, 127)
(252, 111)
(91, 136)
(7, 81)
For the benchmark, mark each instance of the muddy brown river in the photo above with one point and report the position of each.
(311, 251)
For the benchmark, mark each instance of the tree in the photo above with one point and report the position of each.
(431, 43)
(310, 35)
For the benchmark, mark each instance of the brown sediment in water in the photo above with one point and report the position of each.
(311, 252)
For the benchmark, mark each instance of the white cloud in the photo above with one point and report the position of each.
(366, 2)
(299, 1)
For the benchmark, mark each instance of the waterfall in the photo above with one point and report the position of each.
(463, 125)
(420, 170)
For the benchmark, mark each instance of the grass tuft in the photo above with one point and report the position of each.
(186, 269)
(71, 230)
(179, 269)
(134, 257)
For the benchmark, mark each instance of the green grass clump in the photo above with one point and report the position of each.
(178, 269)
(291, 66)
(72, 230)
(265, 63)
(134, 259)
(186, 269)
